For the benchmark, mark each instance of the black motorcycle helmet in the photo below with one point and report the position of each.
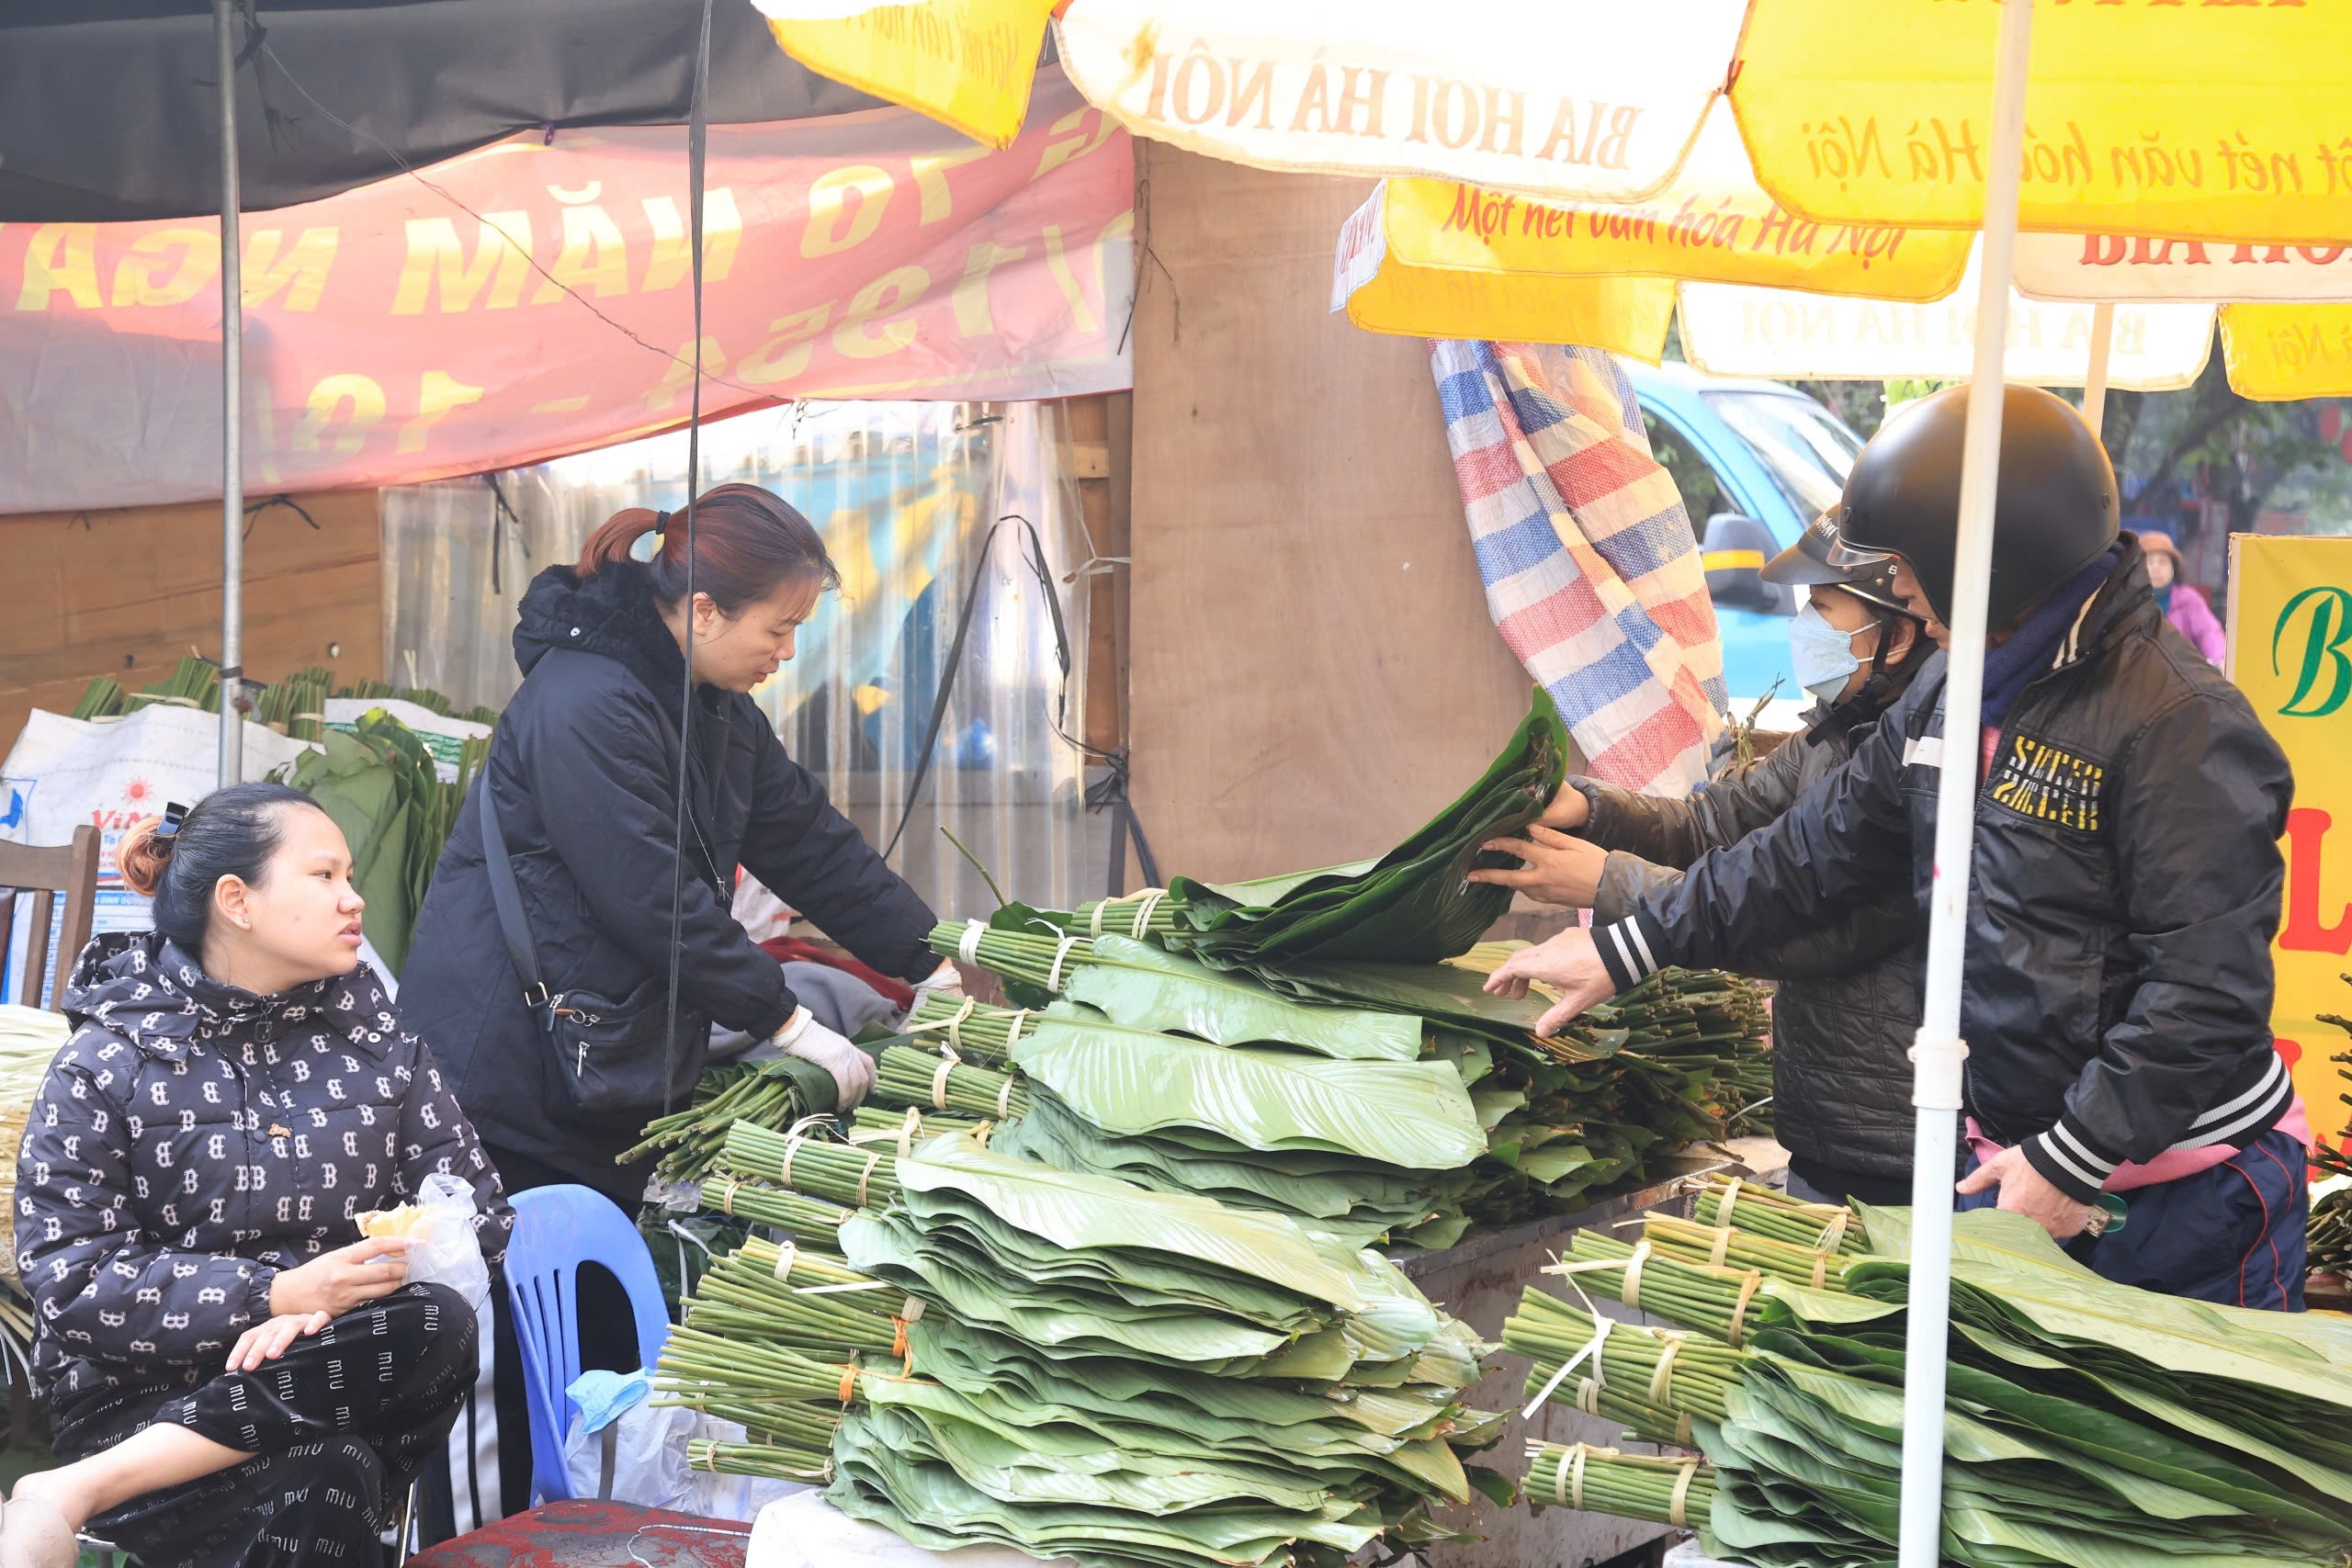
(2054, 508)
(1805, 564)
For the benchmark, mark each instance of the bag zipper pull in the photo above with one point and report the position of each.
(579, 1069)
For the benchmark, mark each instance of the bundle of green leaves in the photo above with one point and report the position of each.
(1608, 1102)
(1414, 904)
(2087, 1423)
(1072, 1365)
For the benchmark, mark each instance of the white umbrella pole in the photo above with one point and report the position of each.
(1936, 1083)
(2102, 349)
(232, 413)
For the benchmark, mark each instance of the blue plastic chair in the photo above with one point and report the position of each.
(555, 1230)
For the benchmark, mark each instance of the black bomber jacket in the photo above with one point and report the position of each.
(2124, 893)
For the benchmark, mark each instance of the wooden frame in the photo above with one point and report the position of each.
(71, 870)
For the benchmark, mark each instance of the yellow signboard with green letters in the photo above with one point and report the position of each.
(2290, 653)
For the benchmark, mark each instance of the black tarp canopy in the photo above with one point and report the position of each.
(108, 111)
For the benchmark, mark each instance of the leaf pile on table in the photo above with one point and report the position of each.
(973, 1347)
(1395, 1099)
(2087, 1422)
(1317, 1053)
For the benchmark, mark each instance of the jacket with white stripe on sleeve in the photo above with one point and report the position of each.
(2126, 888)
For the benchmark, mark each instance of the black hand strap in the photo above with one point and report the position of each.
(509, 899)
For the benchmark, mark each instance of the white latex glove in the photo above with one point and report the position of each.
(851, 1068)
(944, 981)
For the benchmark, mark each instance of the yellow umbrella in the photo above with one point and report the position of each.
(2286, 322)
(966, 64)
(1568, 99)
(1436, 259)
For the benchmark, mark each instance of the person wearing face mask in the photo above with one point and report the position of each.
(1848, 1004)
(2124, 883)
(542, 959)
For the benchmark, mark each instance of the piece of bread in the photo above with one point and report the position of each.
(402, 1221)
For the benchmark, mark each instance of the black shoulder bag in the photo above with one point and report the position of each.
(610, 1055)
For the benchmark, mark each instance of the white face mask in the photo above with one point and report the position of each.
(1824, 655)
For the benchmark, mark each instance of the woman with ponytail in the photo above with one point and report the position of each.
(235, 1376)
(583, 789)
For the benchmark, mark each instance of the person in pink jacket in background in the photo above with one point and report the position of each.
(2184, 606)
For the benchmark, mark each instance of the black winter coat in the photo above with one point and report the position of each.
(1847, 1006)
(2116, 992)
(584, 769)
(191, 1140)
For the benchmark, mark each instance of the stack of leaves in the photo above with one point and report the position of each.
(1074, 1366)
(1414, 904)
(1607, 1102)
(1363, 1147)
(379, 785)
(2087, 1422)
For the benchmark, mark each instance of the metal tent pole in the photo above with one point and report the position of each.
(2102, 350)
(232, 414)
(1936, 1083)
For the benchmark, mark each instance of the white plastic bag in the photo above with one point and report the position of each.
(649, 1445)
(442, 1247)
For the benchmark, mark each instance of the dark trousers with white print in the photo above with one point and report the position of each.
(338, 1428)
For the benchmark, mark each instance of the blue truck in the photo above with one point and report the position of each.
(1756, 461)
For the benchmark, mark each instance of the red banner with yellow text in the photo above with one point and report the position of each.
(532, 298)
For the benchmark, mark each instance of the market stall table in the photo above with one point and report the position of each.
(580, 1534)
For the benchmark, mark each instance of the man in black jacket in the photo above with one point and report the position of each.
(1849, 1001)
(2125, 884)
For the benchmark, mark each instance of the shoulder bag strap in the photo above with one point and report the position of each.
(509, 899)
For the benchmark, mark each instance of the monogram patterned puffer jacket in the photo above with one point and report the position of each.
(192, 1139)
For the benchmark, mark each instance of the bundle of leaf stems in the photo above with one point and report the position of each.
(873, 1123)
(812, 1221)
(1632, 1486)
(1760, 1210)
(860, 1176)
(766, 1388)
(974, 1032)
(1550, 1333)
(1718, 1301)
(911, 1077)
(694, 1138)
(821, 1307)
(775, 1462)
(1737, 1249)
(1016, 955)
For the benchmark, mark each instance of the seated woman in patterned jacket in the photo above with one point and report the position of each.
(236, 1376)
